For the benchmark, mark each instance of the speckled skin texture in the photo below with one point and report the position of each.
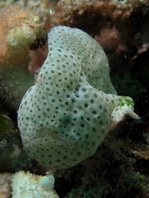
(65, 116)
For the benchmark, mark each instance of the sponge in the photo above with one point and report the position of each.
(66, 115)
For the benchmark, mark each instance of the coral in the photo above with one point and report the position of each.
(87, 15)
(23, 35)
(20, 28)
(110, 39)
(42, 4)
(99, 17)
(27, 185)
(73, 102)
(81, 13)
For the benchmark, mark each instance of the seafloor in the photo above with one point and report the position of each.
(120, 167)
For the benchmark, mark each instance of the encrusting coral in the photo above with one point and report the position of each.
(66, 115)
(103, 19)
(20, 28)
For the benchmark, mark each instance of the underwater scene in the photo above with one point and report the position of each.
(74, 99)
